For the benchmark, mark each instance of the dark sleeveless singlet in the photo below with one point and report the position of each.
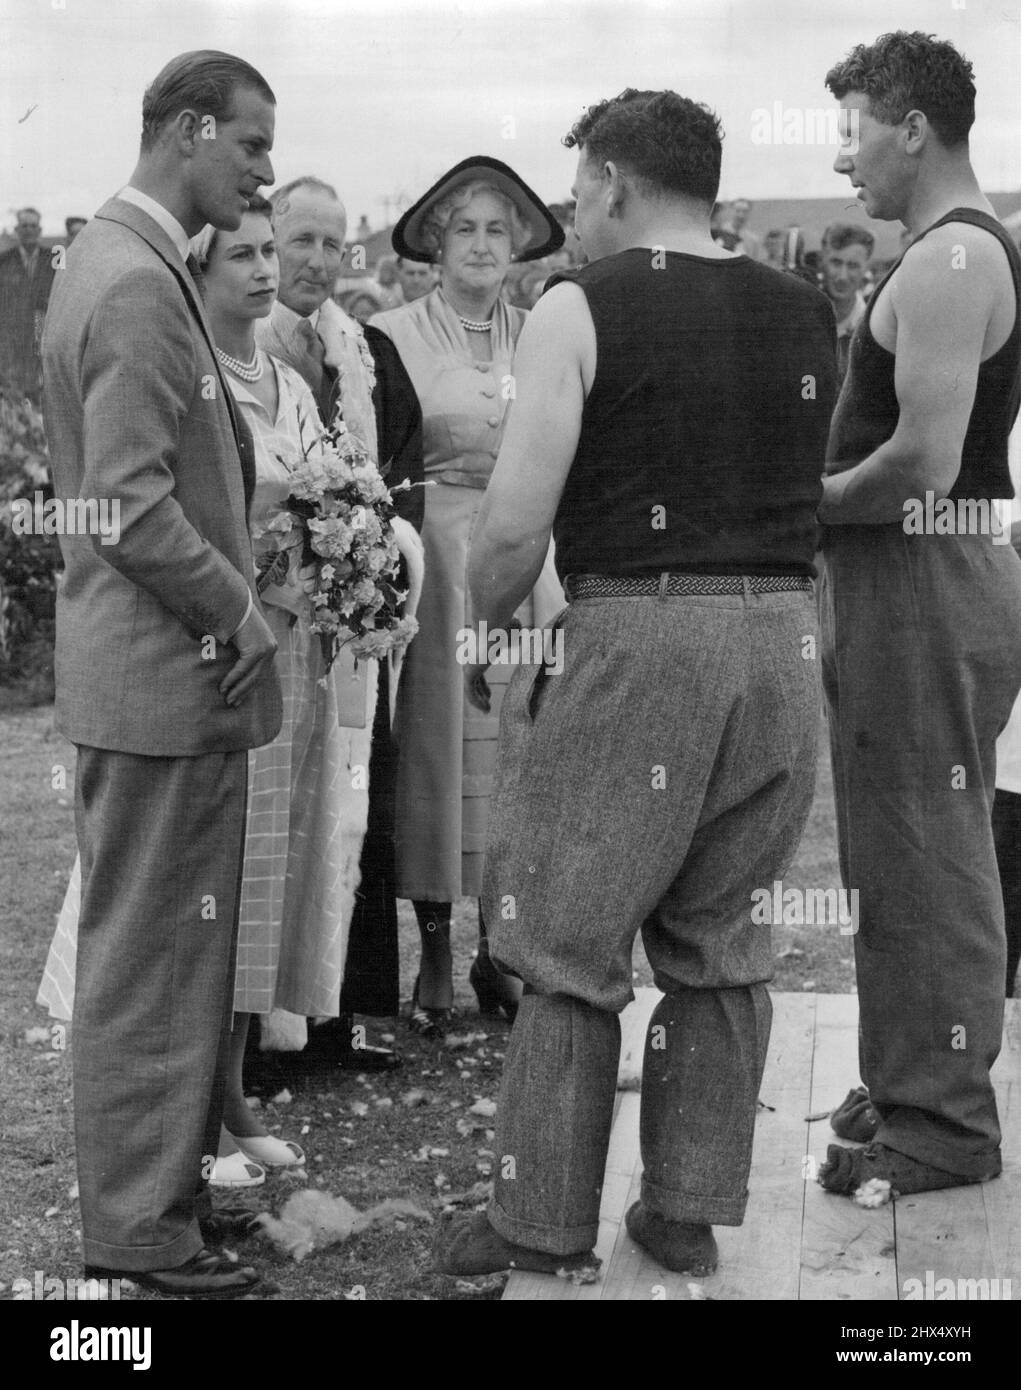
(703, 436)
(867, 411)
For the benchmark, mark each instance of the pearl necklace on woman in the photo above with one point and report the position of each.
(473, 326)
(246, 371)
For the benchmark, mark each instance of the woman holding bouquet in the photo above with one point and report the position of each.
(307, 807)
(457, 344)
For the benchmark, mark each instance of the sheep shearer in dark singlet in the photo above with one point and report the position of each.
(672, 406)
(921, 624)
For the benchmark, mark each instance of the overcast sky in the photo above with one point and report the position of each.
(381, 98)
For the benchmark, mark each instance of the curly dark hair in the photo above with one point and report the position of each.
(904, 72)
(673, 145)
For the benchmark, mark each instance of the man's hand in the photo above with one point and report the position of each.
(476, 687)
(256, 646)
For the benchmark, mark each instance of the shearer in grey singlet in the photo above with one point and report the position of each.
(921, 626)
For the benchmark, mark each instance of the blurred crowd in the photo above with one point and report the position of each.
(843, 267)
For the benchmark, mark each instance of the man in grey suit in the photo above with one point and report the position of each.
(164, 675)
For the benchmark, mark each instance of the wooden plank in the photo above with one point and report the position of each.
(969, 1233)
(760, 1259)
(847, 1251)
(634, 1024)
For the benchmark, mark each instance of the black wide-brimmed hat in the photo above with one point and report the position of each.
(547, 233)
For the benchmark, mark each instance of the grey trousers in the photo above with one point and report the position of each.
(654, 785)
(921, 665)
(161, 843)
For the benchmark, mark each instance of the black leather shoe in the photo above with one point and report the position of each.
(228, 1223)
(331, 1045)
(205, 1275)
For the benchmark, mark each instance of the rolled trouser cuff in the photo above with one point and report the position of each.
(561, 1240)
(929, 1148)
(692, 1207)
(143, 1258)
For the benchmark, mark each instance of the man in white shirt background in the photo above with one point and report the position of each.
(846, 249)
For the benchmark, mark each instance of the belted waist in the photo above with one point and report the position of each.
(680, 585)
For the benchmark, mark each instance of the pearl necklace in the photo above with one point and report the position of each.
(247, 371)
(472, 326)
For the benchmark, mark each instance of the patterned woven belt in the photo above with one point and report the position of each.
(681, 585)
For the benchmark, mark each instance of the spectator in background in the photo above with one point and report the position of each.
(773, 248)
(1007, 824)
(727, 237)
(570, 254)
(746, 242)
(72, 226)
(391, 296)
(458, 346)
(416, 278)
(793, 259)
(343, 365)
(26, 278)
(361, 304)
(846, 249)
(310, 331)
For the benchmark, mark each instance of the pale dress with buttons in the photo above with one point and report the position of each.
(447, 747)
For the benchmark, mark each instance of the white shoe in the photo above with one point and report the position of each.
(236, 1170)
(264, 1149)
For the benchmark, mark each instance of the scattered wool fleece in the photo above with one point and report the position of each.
(874, 1193)
(312, 1220)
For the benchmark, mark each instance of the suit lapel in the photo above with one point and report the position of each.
(116, 210)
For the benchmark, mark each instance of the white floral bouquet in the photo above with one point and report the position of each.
(337, 516)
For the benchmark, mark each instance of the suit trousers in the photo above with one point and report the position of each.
(921, 645)
(161, 842)
(655, 784)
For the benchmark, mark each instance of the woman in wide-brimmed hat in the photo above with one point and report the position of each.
(458, 346)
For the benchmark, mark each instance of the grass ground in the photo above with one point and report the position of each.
(362, 1138)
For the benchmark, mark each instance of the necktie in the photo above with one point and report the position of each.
(312, 346)
(196, 274)
(321, 377)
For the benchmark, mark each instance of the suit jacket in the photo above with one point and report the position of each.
(137, 413)
(353, 373)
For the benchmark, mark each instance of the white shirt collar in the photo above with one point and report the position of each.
(160, 216)
(293, 319)
(857, 312)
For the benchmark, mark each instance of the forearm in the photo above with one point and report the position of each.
(502, 573)
(876, 490)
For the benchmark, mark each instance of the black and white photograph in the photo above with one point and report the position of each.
(510, 657)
